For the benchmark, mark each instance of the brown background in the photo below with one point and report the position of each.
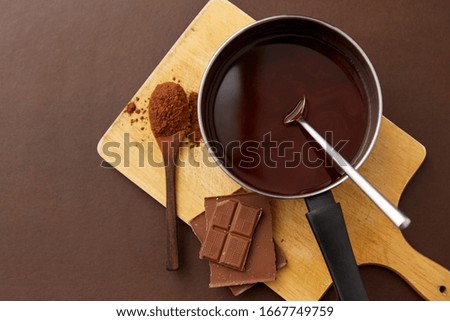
(71, 230)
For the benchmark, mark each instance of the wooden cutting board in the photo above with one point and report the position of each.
(132, 149)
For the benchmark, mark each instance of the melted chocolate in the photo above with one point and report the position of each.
(261, 87)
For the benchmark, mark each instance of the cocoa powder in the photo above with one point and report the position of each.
(131, 107)
(194, 132)
(168, 109)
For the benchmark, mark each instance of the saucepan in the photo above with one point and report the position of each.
(253, 81)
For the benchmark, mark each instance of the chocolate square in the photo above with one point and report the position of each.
(234, 253)
(244, 221)
(230, 234)
(224, 214)
(215, 240)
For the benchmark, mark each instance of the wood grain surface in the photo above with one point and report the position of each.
(393, 161)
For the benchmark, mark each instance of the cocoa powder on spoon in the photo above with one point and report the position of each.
(169, 110)
(169, 119)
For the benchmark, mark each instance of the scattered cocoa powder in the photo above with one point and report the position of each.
(194, 132)
(168, 109)
(131, 107)
(137, 98)
(138, 111)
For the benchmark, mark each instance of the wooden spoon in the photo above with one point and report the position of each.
(169, 146)
(169, 119)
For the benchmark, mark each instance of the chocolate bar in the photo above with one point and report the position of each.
(230, 234)
(260, 265)
(198, 225)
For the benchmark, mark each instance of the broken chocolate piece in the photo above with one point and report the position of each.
(230, 234)
(260, 265)
(198, 225)
(281, 263)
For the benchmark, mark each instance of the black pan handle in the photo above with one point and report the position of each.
(327, 222)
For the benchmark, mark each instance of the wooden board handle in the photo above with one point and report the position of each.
(429, 279)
